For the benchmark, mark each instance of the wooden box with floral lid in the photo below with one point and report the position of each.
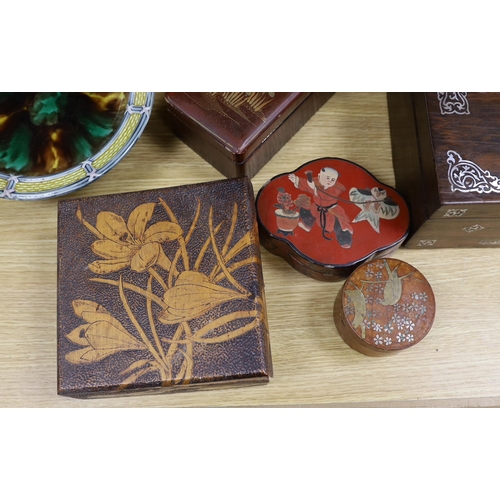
(239, 132)
(385, 306)
(329, 216)
(161, 290)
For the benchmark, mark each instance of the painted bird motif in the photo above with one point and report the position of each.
(358, 300)
(374, 204)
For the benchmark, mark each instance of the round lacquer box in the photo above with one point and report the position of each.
(329, 216)
(385, 306)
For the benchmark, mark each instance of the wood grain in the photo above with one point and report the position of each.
(445, 164)
(457, 364)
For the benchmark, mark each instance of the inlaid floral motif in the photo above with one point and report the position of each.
(379, 309)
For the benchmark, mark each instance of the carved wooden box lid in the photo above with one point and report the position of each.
(329, 216)
(386, 305)
(161, 290)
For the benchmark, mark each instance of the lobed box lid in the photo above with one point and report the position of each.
(236, 123)
(330, 227)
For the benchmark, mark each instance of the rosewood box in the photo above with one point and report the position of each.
(446, 152)
(161, 290)
(329, 216)
(239, 132)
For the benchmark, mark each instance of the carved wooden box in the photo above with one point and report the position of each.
(446, 152)
(329, 216)
(239, 132)
(161, 290)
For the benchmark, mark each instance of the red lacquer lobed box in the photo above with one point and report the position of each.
(329, 216)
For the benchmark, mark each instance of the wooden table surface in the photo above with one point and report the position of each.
(457, 364)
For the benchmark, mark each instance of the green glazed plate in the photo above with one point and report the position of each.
(53, 143)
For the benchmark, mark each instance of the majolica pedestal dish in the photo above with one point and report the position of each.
(161, 290)
(52, 143)
(329, 216)
(385, 306)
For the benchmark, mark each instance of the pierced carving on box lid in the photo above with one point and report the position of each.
(465, 176)
(379, 310)
(471, 229)
(453, 103)
(427, 243)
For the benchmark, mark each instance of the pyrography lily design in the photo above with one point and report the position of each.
(101, 336)
(122, 243)
(192, 295)
(164, 334)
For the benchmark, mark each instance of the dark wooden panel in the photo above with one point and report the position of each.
(473, 133)
(161, 290)
(457, 233)
(446, 152)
